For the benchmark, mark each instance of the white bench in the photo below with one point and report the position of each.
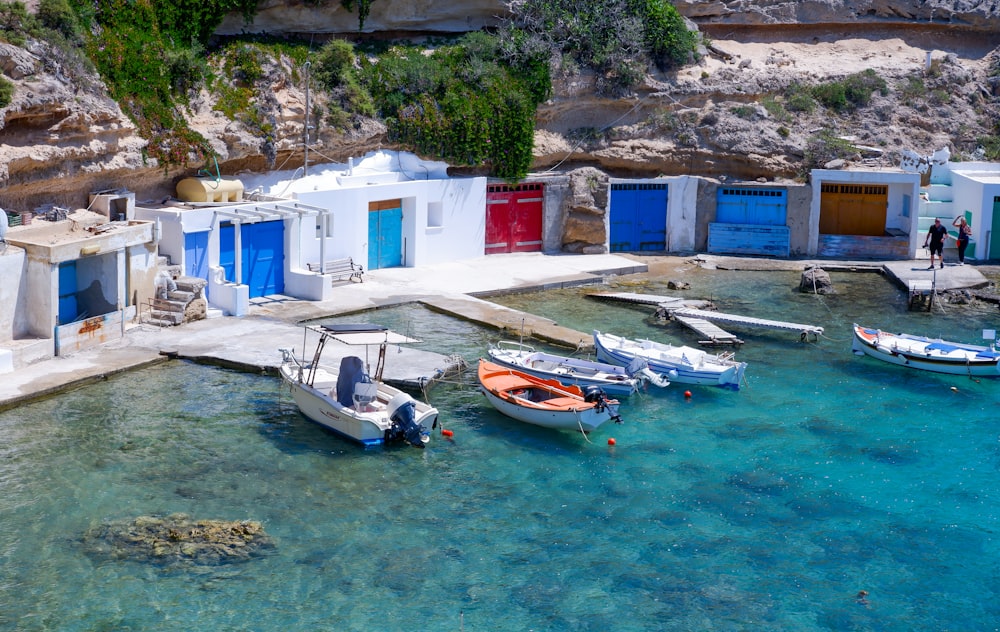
(339, 269)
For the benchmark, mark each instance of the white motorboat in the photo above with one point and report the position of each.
(689, 365)
(928, 354)
(612, 378)
(351, 402)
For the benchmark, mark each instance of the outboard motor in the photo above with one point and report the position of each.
(402, 413)
(596, 395)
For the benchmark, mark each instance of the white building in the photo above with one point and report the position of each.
(389, 209)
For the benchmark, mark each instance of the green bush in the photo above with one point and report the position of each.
(333, 63)
(58, 15)
(912, 90)
(6, 92)
(461, 103)
(616, 38)
(859, 87)
(832, 96)
(364, 9)
(852, 92)
(991, 143)
(15, 22)
(824, 147)
(141, 49)
(775, 108)
(667, 38)
(799, 99)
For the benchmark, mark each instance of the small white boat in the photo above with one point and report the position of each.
(686, 365)
(348, 400)
(613, 379)
(928, 354)
(543, 402)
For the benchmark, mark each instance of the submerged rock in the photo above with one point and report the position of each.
(179, 540)
(816, 280)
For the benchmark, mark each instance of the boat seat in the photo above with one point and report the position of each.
(365, 394)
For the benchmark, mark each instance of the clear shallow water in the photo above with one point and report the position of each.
(767, 509)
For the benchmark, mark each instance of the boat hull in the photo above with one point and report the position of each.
(542, 402)
(612, 378)
(368, 428)
(926, 354)
(702, 370)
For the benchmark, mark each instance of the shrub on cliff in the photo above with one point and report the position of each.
(617, 38)
(461, 103)
(6, 91)
(139, 47)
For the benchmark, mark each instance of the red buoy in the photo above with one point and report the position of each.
(687, 394)
(448, 433)
(611, 441)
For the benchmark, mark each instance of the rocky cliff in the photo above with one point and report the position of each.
(61, 138)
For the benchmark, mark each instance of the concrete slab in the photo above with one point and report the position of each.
(951, 277)
(252, 342)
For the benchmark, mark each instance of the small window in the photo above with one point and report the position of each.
(435, 215)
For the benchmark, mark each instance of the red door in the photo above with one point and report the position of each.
(513, 218)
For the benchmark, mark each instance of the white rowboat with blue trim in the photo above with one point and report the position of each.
(927, 354)
(686, 365)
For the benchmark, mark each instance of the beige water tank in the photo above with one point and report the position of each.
(209, 190)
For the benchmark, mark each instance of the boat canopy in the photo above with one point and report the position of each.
(363, 334)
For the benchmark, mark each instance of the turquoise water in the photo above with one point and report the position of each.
(766, 509)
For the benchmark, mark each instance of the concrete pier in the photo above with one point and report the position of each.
(252, 342)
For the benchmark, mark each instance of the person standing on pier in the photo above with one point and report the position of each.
(935, 237)
(964, 234)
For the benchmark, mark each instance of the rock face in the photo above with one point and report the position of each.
(62, 138)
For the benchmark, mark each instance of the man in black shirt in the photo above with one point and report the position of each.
(936, 236)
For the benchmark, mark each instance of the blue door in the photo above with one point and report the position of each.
(385, 234)
(760, 207)
(750, 221)
(68, 310)
(196, 255)
(638, 217)
(262, 256)
(227, 250)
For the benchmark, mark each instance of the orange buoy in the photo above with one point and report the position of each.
(611, 440)
(448, 433)
(687, 394)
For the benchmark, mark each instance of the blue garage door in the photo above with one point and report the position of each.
(638, 217)
(750, 221)
(196, 255)
(760, 207)
(385, 234)
(262, 254)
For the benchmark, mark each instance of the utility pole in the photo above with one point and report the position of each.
(305, 148)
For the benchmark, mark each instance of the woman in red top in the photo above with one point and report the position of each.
(964, 233)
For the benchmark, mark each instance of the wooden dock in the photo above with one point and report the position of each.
(749, 321)
(667, 302)
(712, 335)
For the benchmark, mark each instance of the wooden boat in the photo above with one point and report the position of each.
(928, 354)
(543, 402)
(611, 378)
(348, 400)
(685, 365)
